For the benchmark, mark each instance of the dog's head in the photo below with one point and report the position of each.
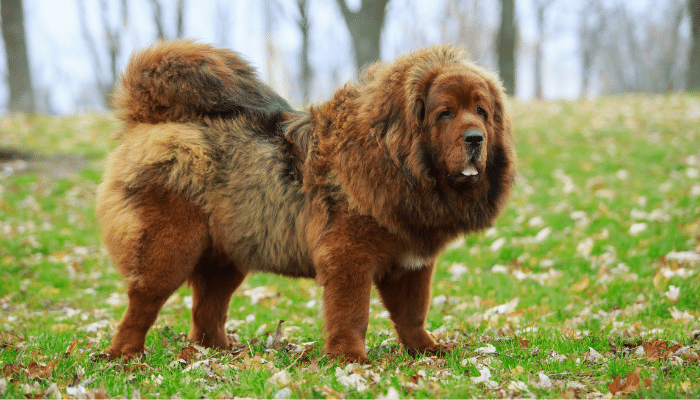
(460, 109)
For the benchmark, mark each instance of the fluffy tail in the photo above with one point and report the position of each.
(178, 81)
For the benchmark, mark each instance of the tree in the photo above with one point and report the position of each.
(636, 55)
(694, 61)
(465, 23)
(18, 74)
(158, 19)
(112, 36)
(365, 26)
(304, 56)
(591, 25)
(506, 45)
(540, 9)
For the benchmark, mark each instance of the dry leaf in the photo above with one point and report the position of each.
(581, 285)
(281, 378)
(655, 350)
(40, 370)
(11, 369)
(330, 393)
(101, 392)
(10, 340)
(523, 343)
(671, 350)
(187, 353)
(630, 385)
(274, 340)
(72, 347)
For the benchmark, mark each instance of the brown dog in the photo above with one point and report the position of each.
(217, 176)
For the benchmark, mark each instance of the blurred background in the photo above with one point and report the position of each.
(63, 56)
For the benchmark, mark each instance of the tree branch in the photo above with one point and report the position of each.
(347, 14)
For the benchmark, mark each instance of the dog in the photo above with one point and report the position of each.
(217, 176)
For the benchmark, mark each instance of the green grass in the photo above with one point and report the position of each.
(569, 260)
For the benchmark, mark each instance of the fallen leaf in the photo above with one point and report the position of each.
(673, 293)
(72, 347)
(485, 378)
(11, 369)
(187, 353)
(631, 383)
(391, 393)
(274, 340)
(593, 356)
(523, 343)
(671, 350)
(655, 350)
(100, 393)
(683, 257)
(281, 378)
(10, 340)
(330, 393)
(517, 385)
(581, 285)
(489, 349)
(543, 382)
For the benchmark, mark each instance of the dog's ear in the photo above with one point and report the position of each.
(501, 116)
(419, 97)
(419, 111)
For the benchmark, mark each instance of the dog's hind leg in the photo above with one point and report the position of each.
(173, 236)
(213, 282)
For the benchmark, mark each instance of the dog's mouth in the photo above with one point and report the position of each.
(470, 170)
(469, 177)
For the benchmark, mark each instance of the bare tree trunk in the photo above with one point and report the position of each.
(158, 18)
(589, 40)
(180, 25)
(305, 66)
(112, 41)
(365, 28)
(18, 74)
(538, 52)
(694, 60)
(113, 38)
(506, 45)
(540, 9)
(670, 59)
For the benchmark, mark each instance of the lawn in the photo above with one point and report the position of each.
(588, 286)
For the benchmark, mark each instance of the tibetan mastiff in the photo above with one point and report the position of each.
(216, 176)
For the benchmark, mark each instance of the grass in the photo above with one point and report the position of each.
(574, 286)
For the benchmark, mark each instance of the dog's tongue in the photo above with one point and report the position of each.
(470, 171)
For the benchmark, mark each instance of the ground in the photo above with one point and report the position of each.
(588, 286)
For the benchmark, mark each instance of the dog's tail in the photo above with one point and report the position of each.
(182, 80)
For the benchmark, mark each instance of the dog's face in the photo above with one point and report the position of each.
(460, 110)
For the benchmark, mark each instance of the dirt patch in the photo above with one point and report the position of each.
(15, 161)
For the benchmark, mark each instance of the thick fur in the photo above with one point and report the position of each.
(216, 176)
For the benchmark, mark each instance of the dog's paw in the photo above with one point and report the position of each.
(348, 358)
(126, 354)
(437, 350)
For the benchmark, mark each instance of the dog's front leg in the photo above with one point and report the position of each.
(346, 312)
(347, 255)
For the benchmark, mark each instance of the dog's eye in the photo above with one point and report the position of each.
(445, 116)
(482, 113)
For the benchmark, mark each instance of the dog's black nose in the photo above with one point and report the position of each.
(473, 137)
